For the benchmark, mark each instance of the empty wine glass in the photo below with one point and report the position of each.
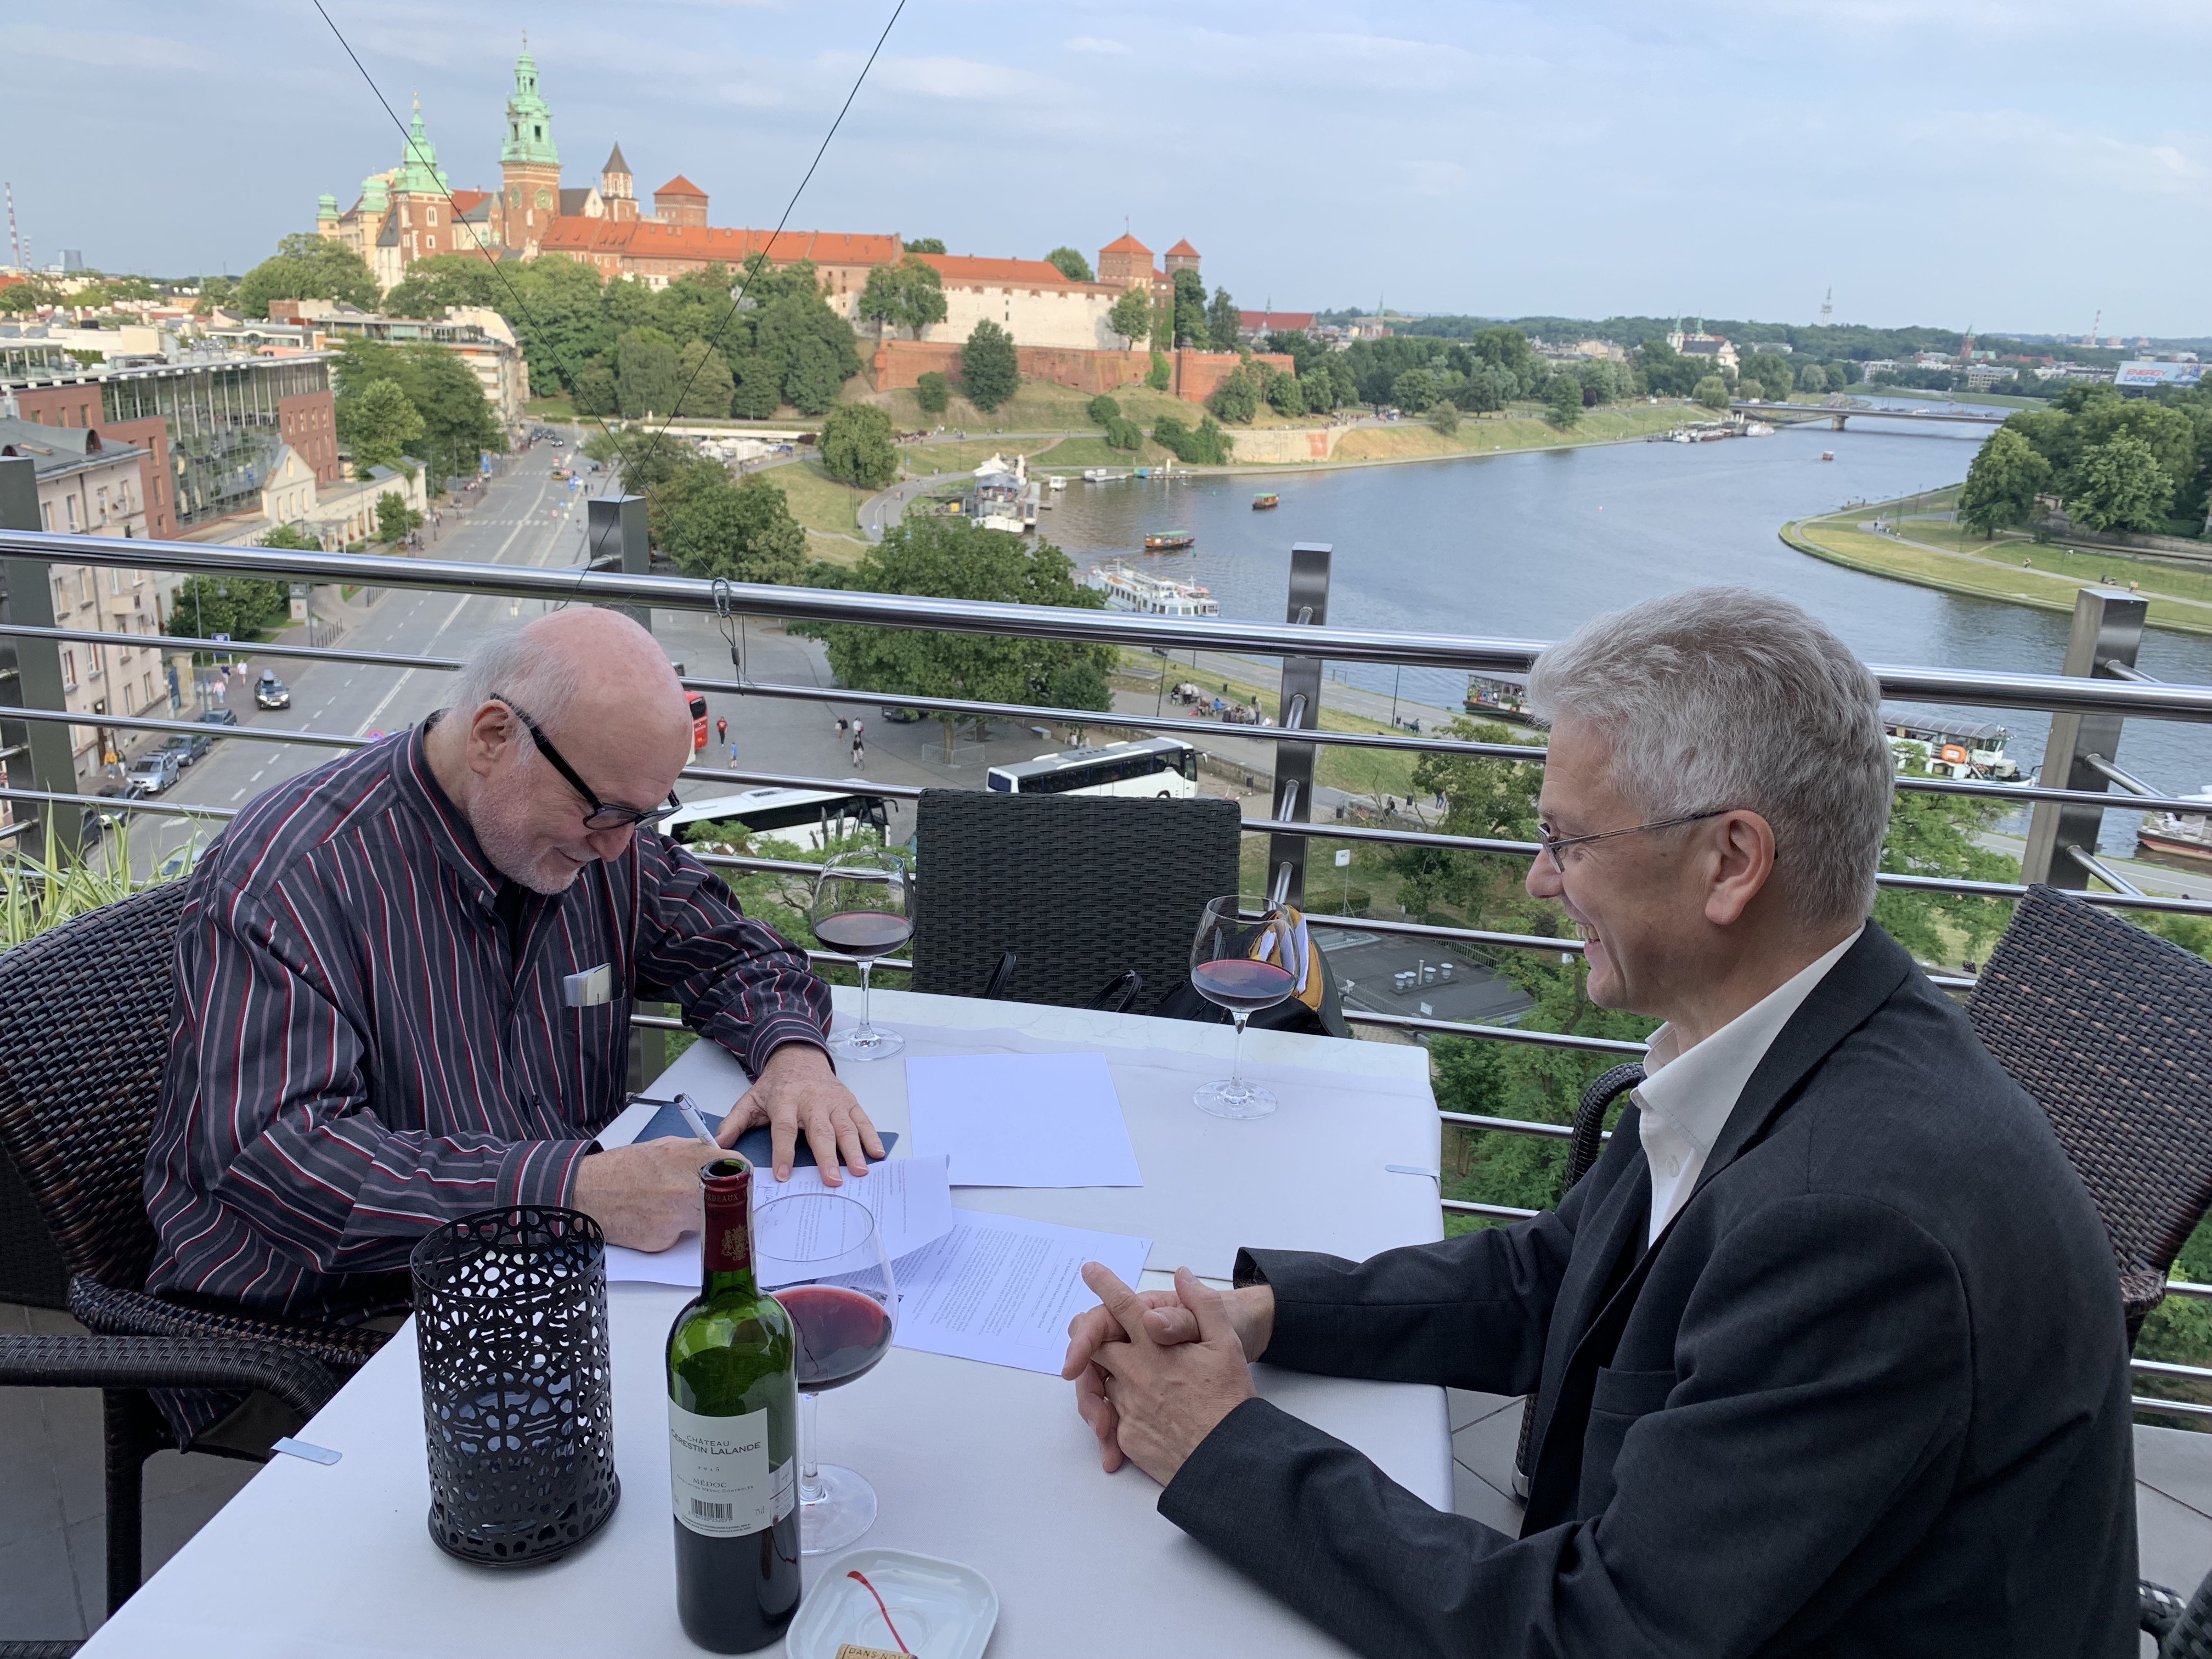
(1246, 957)
(864, 906)
(822, 1256)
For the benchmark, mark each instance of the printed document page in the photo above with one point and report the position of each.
(1021, 1120)
(908, 1196)
(1001, 1289)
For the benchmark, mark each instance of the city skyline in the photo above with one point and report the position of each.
(1480, 158)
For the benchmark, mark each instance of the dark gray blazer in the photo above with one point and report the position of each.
(1868, 1396)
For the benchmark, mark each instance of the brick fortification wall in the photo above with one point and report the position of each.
(1198, 372)
(901, 363)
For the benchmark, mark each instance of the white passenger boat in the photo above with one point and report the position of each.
(1153, 596)
(2179, 837)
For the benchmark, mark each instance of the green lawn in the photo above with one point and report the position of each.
(1096, 452)
(818, 500)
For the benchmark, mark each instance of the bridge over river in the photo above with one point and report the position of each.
(1806, 413)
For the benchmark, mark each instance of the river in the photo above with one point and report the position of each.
(1530, 544)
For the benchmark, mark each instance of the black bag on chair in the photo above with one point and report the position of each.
(1292, 1014)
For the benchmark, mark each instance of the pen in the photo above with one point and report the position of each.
(698, 1123)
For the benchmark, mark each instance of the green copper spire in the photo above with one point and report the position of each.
(529, 122)
(374, 198)
(418, 165)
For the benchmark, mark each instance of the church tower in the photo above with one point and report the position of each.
(618, 187)
(529, 166)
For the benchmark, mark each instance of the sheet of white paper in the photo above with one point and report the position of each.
(1002, 1288)
(908, 1196)
(1021, 1120)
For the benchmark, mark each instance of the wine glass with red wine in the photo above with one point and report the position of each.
(863, 907)
(822, 1256)
(1247, 956)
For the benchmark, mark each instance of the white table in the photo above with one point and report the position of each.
(978, 1463)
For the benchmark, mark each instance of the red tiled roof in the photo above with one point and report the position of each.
(640, 238)
(1125, 243)
(465, 199)
(1183, 249)
(679, 186)
(1289, 321)
(970, 268)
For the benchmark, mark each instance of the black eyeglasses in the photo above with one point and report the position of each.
(598, 815)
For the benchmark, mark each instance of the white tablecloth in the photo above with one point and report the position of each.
(978, 1463)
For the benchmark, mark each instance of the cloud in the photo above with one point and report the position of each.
(1104, 47)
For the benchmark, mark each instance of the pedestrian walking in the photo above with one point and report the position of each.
(721, 728)
(860, 746)
(734, 757)
(844, 727)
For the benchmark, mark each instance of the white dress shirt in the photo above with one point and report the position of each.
(1685, 1098)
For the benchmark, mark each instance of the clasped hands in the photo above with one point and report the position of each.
(646, 1195)
(1156, 1371)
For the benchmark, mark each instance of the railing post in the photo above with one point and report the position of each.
(2108, 624)
(1301, 709)
(31, 675)
(615, 530)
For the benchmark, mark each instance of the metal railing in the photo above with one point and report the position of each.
(2098, 693)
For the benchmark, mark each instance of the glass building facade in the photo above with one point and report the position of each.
(222, 422)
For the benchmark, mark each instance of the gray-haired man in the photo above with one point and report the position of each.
(1827, 1349)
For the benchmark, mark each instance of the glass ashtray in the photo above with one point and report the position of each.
(935, 1609)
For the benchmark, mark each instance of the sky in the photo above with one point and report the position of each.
(2022, 165)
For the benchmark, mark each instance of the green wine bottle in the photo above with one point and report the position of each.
(733, 1437)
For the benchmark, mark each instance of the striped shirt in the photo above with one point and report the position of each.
(359, 1055)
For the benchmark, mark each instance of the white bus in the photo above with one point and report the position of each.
(1166, 767)
(808, 816)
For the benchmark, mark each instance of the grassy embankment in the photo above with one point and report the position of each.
(1942, 555)
(827, 510)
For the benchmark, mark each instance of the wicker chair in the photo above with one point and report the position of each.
(2110, 1028)
(1079, 888)
(85, 1015)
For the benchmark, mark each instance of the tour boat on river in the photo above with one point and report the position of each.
(1169, 541)
(1153, 596)
(1951, 748)
(1262, 503)
(2179, 837)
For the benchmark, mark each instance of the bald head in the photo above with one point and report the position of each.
(581, 665)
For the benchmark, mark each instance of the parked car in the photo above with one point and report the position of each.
(901, 716)
(187, 747)
(219, 717)
(270, 692)
(98, 824)
(154, 773)
(185, 858)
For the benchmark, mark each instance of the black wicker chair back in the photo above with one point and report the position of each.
(2110, 1028)
(85, 1015)
(1080, 887)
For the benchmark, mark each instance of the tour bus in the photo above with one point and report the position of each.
(1161, 766)
(808, 816)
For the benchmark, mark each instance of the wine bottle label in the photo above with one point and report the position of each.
(723, 1483)
(726, 1246)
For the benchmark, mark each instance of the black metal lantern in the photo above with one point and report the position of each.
(511, 1325)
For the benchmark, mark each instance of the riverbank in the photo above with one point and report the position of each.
(2011, 571)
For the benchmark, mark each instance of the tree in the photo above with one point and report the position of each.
(1102, 409)
(713, 527)
(990, 372)
(394, 518)
(932, 391)
(1208, 445)
(814, 378)
(292, 536)
(909, 294)
(1189, 326)
(1070, 264)
(1564, 401)
(1751, 389)
(1224, 325)
(1932, 834)
(1285, 393)
(1160, 373)
(1237, 399)
(1318, 390)
(703, 384)
(856, 446)
(1413, 390)
(2002, 481)
(1124, 434)
(376, 425)
(925, 245)
(307, 265)
(244, 607)
(953, 558)
(647, 374)
(1711, 391)
(1813, 380)
(1132, 317)
(1443, 414)
(1772, 372)
(2119, 485)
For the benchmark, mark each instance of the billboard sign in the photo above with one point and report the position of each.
(2146, 374)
